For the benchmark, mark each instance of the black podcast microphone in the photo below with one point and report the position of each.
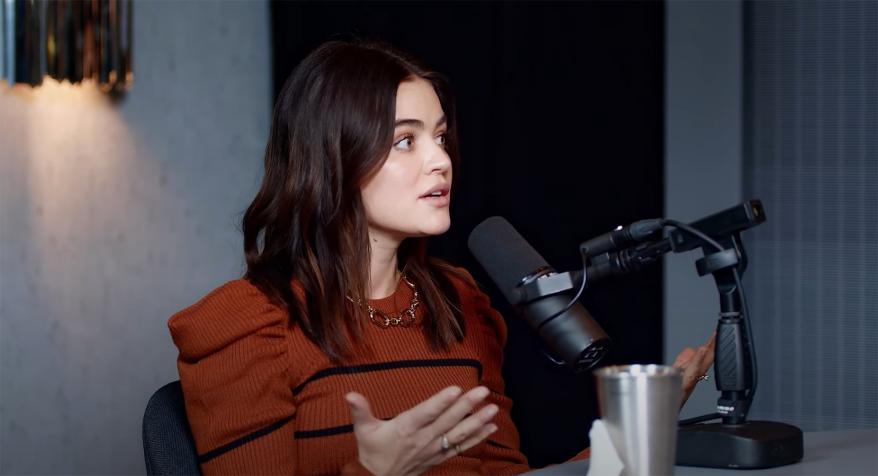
(621, 237)
(510, 261)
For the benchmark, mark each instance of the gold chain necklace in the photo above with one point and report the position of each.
(403, 319)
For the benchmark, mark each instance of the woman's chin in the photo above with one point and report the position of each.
(433, 229)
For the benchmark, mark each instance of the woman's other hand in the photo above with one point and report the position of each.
(694, 363)
(411, 443)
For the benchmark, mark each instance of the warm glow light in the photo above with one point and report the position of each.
(81, 158)
(73, 131)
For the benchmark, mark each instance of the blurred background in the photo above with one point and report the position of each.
(120, 205)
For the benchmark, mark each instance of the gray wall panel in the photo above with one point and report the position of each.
(811, 142)
(702, 159)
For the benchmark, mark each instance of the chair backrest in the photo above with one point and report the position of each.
(168, 447)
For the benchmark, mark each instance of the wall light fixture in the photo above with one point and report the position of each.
(75, 40)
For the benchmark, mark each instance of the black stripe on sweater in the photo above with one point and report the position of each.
(339, 430)
(335, 430)
(398, 364)
(241, 441)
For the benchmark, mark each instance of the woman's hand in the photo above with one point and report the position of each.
(694, 363)
(411, 443)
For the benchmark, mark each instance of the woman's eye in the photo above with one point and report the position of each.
(405, 143)
(441, 140)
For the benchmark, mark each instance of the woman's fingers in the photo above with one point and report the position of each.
(445, 411)
(456, 449)
(691, 370)
(471, 441)
(694, 363)
(411, 442)
(361, 412)
(458, 411)
(475, 439)
(472, 425)
(711, 343)
(684, 357)
(696, 360)
(426, 412)
(697, 366)
(704, 357)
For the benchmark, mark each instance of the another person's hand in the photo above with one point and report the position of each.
(694, 363)
(412, 442)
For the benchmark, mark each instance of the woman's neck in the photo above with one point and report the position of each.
(384, 270)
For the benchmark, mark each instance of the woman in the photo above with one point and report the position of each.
(345, 349)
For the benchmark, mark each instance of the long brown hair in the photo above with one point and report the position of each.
(332, 128)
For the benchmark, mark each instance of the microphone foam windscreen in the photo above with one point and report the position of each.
(504, 254)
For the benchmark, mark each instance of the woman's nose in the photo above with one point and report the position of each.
(438, 160)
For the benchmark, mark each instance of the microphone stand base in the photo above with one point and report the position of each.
(750, 445)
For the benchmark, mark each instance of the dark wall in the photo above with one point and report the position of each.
(560, 114)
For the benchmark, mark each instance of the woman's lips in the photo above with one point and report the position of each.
(440, 201)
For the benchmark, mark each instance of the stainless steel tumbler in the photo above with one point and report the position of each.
(639, 405)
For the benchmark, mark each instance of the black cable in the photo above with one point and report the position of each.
(699, 419)
(572, 301)
(693, 231)
(752, 346)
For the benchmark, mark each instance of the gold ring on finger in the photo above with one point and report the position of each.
(457, 449)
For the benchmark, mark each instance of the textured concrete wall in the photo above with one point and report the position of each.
(112, 217)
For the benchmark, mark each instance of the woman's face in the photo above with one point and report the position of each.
(409, 196)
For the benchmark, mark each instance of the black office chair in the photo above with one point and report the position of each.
(168, 447)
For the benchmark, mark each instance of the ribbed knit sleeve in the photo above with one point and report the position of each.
(234, 367)
(234, 372)
(500, 455)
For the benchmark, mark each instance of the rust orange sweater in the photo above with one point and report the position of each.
(263, 399)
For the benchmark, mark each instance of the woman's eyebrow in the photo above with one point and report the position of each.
(417, 123)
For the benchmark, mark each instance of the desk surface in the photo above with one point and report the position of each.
(848, 452)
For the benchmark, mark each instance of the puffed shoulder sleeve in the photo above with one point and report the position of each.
(500, 454)
(234, 370)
